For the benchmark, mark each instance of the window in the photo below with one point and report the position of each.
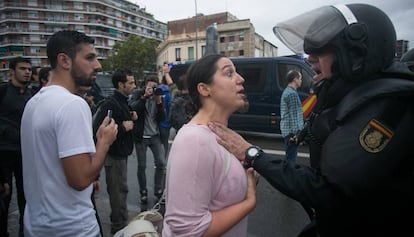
(177, 54)
(241, 37)
(32, 3)
(231, 38)
(79, 28)
(34, 50)
(284, 68)
(32, 14)
(190, 53)
(254, 75)
(203, 50)
(222, 39)
(33, 26)
(111, 42)
(241, 52)
(78, 5)
(34, 38)
(78, 17)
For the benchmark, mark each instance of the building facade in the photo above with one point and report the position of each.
(235, 38)
(400, 49)
(26, 25)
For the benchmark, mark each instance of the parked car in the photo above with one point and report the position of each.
(265, 80)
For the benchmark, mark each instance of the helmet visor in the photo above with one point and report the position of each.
(312, 30)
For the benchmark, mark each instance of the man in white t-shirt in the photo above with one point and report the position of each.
(60, 159)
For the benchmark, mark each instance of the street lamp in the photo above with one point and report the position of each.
(196, 30)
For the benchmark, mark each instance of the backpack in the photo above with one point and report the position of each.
(180, 111)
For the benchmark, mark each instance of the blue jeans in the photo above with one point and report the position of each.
(291, 149)
(154, 143)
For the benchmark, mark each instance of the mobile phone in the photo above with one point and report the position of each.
(109, 114)
(170, 65)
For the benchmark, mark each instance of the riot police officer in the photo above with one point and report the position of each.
(361, 178)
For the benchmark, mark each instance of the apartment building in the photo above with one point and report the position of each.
(235, 38)
(401, 48)
(26, 25)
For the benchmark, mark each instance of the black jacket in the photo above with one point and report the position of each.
(12, 104)
(361, 179)
(123, 146)
(137, 103)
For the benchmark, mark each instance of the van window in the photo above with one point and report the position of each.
(254, 77)
(284, 68)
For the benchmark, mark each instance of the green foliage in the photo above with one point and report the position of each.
(136, 54)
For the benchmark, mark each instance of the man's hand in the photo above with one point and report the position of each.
(6, 190)
(107, 131)
(165, 68)
(134, 115)
(128, 125)
(231, 140)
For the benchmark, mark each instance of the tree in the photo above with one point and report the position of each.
(136, 54)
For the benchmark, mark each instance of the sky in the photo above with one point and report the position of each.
(265, 14)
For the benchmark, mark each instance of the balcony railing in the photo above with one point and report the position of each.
(147, 18)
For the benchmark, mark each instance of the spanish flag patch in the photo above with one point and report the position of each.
(375, 136)
(308, 104)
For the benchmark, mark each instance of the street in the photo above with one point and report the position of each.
(274, 215)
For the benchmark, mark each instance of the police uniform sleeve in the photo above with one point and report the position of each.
(299, 182)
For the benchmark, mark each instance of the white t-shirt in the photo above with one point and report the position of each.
(55, 124)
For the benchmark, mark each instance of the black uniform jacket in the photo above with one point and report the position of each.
(361, 178)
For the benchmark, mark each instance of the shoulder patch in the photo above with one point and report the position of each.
(375, 136)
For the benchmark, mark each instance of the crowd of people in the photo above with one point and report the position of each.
(55, 141)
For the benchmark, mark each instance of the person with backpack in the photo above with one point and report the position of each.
(116, 159)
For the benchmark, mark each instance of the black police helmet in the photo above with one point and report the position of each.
(362, 37)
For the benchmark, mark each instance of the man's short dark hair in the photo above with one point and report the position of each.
(291, 75)
(66, 41)
(120, 75)
(13, 63)
(152, 78)
(182, 82)
(44, 73)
